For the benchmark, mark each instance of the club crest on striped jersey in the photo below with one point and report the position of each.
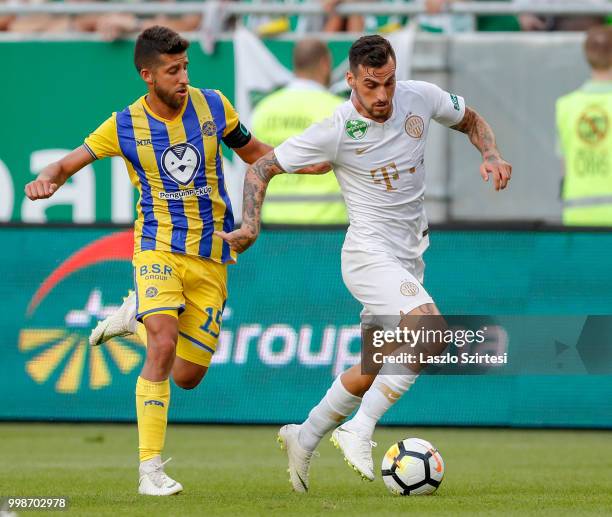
(181, 162)
(209, 128)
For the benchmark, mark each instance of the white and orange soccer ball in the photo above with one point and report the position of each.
(412, 467)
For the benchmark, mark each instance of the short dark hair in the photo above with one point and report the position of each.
(308, 53)
(371, 51)
(598, 47)
(153, 42)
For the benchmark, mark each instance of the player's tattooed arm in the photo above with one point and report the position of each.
(256, 181)
(481, 135)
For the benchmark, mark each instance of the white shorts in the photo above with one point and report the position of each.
(384, 285)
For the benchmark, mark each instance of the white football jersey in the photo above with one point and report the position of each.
(379, 166)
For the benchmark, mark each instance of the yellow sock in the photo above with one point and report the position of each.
(152, 400)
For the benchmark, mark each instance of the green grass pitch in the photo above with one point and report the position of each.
(239, 470)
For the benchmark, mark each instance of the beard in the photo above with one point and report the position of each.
(168, 98)
(375, 112)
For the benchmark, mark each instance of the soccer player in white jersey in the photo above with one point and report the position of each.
(375, 143)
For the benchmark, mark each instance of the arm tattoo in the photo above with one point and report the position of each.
(480, 134)
(256, 181)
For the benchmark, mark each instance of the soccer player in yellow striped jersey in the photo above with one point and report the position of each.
(170, 140)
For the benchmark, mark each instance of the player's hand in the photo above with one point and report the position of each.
(239, 240)
(40, 189)
(499, 168)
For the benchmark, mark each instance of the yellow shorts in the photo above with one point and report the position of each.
(192, 289)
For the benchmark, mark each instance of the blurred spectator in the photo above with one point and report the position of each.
(110, 26)
(113, 26)
(532, 22)
(5, 20)
(584, 123)
(266, 25)
(300, 198)
(337, 23)
(438, 19)
(358, 23)
(32, 23)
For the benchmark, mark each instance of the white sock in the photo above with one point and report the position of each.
(335, 406)
(385, 391)
(132, 324)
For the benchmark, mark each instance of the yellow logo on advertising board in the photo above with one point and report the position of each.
(60, 348)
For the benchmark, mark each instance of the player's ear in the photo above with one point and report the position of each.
(350, 79)
(146, 75)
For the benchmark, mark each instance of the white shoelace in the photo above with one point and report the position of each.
(310, 454)
(365, 447)
(158, 476)
(307, 458)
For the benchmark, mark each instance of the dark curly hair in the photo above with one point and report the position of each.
(371, 51)
(154, 41)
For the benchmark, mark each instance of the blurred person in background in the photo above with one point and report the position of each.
(532, 22)
(6, 19)
(437, 19)
(335, 22)
(584, 119)
(112, 26)
(338, 23)
(300, 198)
(36, 23)
(266, 25)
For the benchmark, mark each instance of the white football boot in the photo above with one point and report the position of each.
(299, 458)
(153, 479)
(357, 451)
(120, 323)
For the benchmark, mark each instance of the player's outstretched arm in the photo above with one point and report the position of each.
(250, 152)
(53, 176)
(481, 135)
(256, 180)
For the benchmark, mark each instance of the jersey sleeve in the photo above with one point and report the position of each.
(104, 141)
(231, 116)
(316, 144)
(447, 108)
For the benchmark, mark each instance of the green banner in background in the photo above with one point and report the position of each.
(75, 86)
(290, 326)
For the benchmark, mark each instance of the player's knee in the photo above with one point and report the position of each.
(187, 375)
(161, 347)
(428, 317)
(187, 383)
(161, 339)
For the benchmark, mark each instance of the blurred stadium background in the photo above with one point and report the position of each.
(290, 324)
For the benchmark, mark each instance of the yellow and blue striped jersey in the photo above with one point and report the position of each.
(176, 165)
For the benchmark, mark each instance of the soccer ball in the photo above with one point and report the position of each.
(412, 467)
